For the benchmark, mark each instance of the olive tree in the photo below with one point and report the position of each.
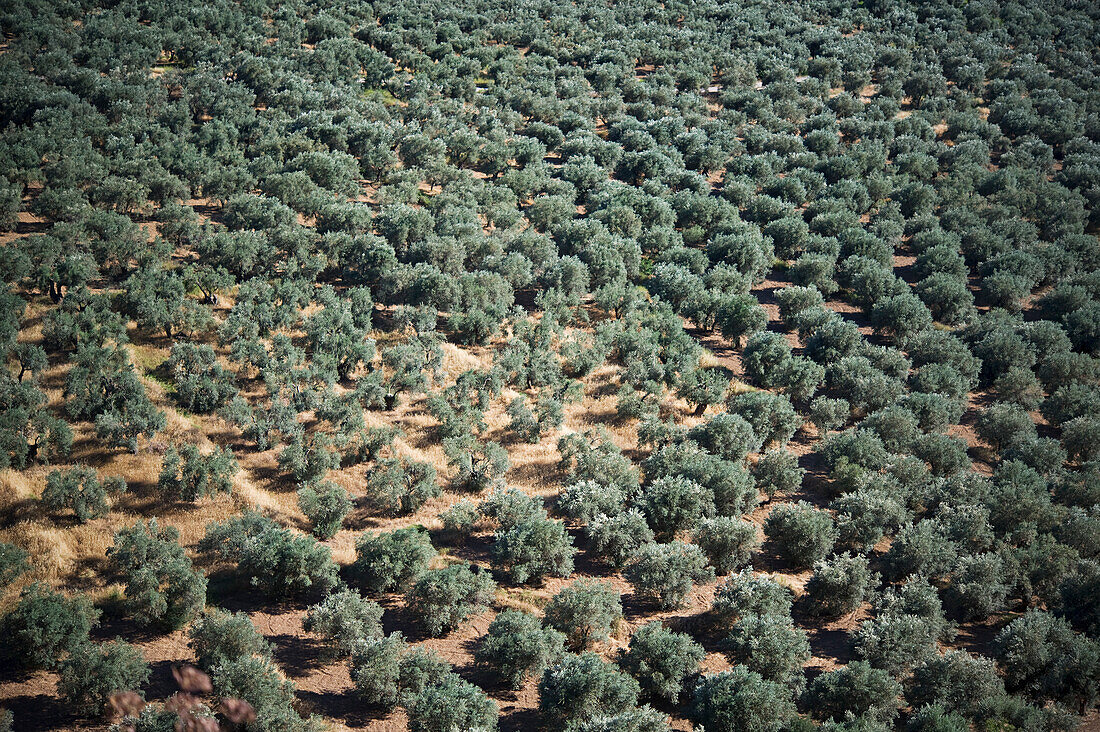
(81, 490)
(839, 584)
(579, 688)
(95, 671)
(162, 587)
(533, 548)
(391, 561)
(771, 646)
(855, 690)
(517, 646)
(586, 611)
(344, 619)
(219, 637)
(802, 534)
(45, 626)
(326, 505)
(728, 542)
(444, 598)
(661, 660)
(666, 573)
(741, 700)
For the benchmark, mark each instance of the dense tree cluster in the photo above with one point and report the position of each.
(811, 288)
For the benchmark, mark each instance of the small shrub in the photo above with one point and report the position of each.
(420, 669)
(661, 660)
(829, 414)
(13, 563)
(922, 549)
(443, 598)
(522, 421)
(666, 573)
(896, 642)
(729, 487)
(978, 586)
(772, 416)
(309, 457)
(509, 506)
(460, 519)
(152, 718)
(476, 468)
(642, 719)
(202, 385)
(865, 515)
(726, 435)
(517, 646)
(933, 718)
(594, 456)
(587, 612)
(1042, 657)
(1002, 425)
